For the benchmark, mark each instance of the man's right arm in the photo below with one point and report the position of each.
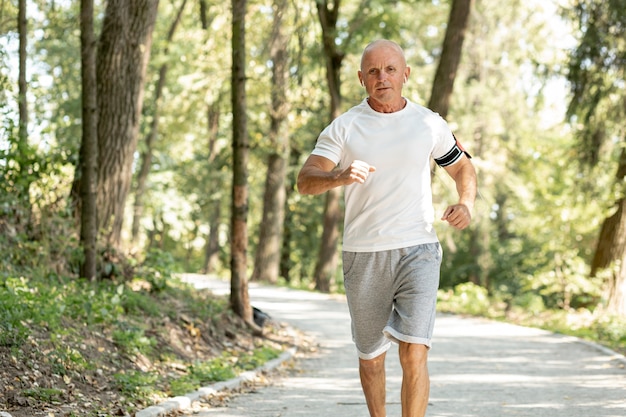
(318, 175)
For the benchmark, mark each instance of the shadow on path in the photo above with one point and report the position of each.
(478, 368)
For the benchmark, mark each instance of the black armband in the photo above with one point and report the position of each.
(453, 155)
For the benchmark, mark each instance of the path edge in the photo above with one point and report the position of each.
(184, 401)
(607, 351)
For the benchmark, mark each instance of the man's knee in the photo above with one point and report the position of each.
(373, 364)
(413, 355)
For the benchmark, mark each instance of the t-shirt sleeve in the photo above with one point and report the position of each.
(329, 145)
(447, 150)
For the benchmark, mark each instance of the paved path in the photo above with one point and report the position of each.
(478, 368)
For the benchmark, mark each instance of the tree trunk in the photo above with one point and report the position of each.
(211, 258)
(123, 55)
(204, 10)
(239, 297)
(326, 267)
(211, 250)
(285, 252)
(327, 262)
(22, 28)
(23, 148)
(617, 292)
(146, 156)
(450, 57)
(267, 258)
(611, 249)
(284, 267)
(89, 145)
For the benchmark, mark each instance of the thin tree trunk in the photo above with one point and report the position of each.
(450, 57)
(22, 25)
(211, 258)
(267, 257)
(89, 145)
(610, 252)
(285, 252)
(146, 156)
(239, 297)
(326, 266)
(327, 262)
(211, 252)
(23, 148)
(123, 55)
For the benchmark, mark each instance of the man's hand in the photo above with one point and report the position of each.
(458, 215)
(319, 175)
(358, 171)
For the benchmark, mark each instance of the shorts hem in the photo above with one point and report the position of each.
(395, 336)
(376, 353)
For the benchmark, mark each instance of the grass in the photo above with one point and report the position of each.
(122, 344)
(527, 310)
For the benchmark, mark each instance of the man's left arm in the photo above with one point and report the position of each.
(464, 175)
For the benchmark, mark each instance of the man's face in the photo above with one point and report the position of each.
(383, 72)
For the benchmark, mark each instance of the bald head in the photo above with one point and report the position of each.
(382, 44)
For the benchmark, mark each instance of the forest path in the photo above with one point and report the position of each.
(478, 368)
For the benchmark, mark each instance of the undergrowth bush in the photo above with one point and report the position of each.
(528, 309)
(466, 298)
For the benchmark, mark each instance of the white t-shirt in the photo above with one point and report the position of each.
(393, 209)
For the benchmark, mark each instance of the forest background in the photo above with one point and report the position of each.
(182, 125)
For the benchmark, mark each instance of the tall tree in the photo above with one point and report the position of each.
(326, 266)
(597, 73)
(239, 297)
(211, 249)
(22, 28)
(450, 57)
(153, 132)
(443, 85)
(268, 253)
(89, 145)
(123, 54)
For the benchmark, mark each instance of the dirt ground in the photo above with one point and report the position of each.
(37, 380)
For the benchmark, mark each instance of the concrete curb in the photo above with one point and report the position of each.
(184, 402)
(609, 352)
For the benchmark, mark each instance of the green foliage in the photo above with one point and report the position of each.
(132, 339)
(47, 395)
(136, 303)
(220, 369)
(157, 269)
(65, 359)
(13, 331)
(466, 298)
(530, 302)
(529, 309)
(612, 329)
(68, 320)
(535, 224)
(257, 358)
(136, 384)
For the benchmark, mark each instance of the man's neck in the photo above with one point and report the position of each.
(387, 107)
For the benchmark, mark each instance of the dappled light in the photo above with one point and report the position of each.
(143, 141)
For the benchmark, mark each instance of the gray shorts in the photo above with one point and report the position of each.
(392, 296)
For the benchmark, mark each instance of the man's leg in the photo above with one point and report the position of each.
(415, 380)
(372, 374)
